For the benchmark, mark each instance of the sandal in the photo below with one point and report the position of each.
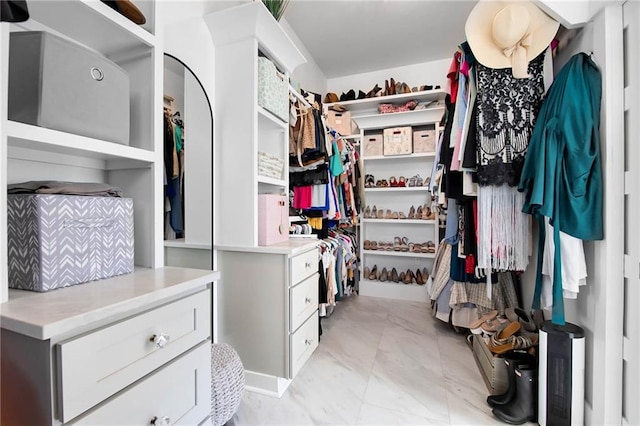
(366, 273)
(426, 212)
(514, 342)
(431, 247)
(379, 184)
(394, 215)
(405, 244)
(397, 243)
(367, 212)
(419, 181)
(373, 245)
(393, 182)
(412, 213)
(367, 245)
(387, 214)
(384, 183)
(402, 182)
(381, 214)
(374, 213)
(411, 182)
(401, 215)
(475, 326)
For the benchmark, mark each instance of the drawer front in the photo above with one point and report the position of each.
(303, 265)
(304, 300)
(100, 364)
(179, 394)
(303, 343)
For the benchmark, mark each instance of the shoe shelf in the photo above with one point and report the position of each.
(269, 120)
(400, 221)
(401, 157)
(399, 189)
(396, 253)
(393, 290)
(272, 181)
(361, 105)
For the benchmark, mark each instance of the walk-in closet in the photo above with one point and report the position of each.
(301, 212)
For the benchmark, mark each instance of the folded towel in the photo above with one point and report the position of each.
(69, 188)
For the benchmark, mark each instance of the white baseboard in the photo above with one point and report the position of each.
(265, 384)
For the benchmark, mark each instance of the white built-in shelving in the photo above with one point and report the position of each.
(364, 112)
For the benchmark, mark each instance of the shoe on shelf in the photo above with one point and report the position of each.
(419, 212)
(394, 215)
(425, 274)
(476, 325)
(397, 243)
(366, 245)
(401, 215)
(419, 181)
(392, 86)
(411, 182)
(402, 182)
(393, 182)
(401, 277)
(387, 214)
(394, 275)
(369, 181)
(331, 98)
(366, 273)
(374, 213)
(431, 247)
(361, 94)
(373, 92)
(405, 244)
(381, 214)
(375, 274)
(419, 279)
(366, 213)
(384, 275)
(412, 213)
(373, 245)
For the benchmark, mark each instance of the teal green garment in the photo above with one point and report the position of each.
(562, 173)
(335, 162)
(177, 137)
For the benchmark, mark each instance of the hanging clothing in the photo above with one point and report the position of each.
(562, 173)
(507, 110)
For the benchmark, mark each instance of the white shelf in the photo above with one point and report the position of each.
(360, 105)
(420, 155)
(28, 140)
(399, 254)
(270, 120)
(391, 290)
(272, 181)
(91, 23)
(399, 189)
(400, 221)
(398, 119)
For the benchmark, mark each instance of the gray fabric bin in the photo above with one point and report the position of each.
(55, 241)
(65, 86)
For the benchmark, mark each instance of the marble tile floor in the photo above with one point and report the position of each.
(379, 362)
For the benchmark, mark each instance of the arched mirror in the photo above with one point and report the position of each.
(188, 168)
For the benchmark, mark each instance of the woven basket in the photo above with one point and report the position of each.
(227, 383)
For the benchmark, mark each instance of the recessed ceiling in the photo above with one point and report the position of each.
(354, 36)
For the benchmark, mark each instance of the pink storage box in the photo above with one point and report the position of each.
(372, 145)
(273, 219)
(424, 139)
(340, 122)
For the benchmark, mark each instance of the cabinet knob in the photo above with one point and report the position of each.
(161, 421)
(307, 300)
(307, 342)
(160, 340)
(307, 265)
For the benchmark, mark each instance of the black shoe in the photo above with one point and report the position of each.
(361, 94)
(350, 96)
(524, 407)
(343, 97)
(513, 360)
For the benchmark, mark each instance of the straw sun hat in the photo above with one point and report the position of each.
(509, 34)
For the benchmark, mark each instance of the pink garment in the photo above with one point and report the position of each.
(302, 196)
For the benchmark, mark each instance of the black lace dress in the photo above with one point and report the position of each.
(507, 110)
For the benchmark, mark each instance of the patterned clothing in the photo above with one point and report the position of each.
(507, 109)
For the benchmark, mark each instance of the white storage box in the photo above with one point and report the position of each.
(273, 89)
(397, 141)
(56, 241)
(270, 165)
(61, 85)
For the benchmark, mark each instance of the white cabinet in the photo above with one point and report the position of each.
(90, 351)
(396, 199)
(243, 128)
(268, 310)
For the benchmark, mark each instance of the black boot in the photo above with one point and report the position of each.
(523, 408)
(513, 360)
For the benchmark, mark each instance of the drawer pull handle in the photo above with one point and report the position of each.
(160, 340)
(307, 265)
(307, 300)
(161, 421)
(307, 342)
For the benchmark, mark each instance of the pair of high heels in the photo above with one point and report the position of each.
(425, 213)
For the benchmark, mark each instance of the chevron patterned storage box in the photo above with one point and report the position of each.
(56, 241)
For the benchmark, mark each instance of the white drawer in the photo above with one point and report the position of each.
(304, 300)
(303, 343)
(303, 265)
(180, 393)
(99, 364)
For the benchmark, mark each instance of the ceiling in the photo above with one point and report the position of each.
(347, 37)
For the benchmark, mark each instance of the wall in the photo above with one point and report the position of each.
(426, 73)
(309, 76)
